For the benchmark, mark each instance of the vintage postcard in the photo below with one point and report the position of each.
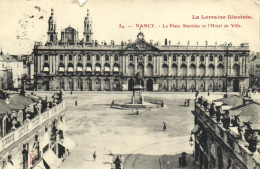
(128, 84)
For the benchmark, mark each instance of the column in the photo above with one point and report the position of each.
(206, 64)
(154, 64)
(240, 65)
(179, 65)
(145, 62)
(93, 57)
(50, 64)
(188, 65)
(84, 63)
(102, 83)
(135, 60)
(111, 63)
(231, 65)
(66, 58)
(169, 65)
(74, 62)
(102, 57)
(197, 65)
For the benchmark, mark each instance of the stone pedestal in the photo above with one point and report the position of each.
(137, 97)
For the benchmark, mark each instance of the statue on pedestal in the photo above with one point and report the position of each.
(137, 79)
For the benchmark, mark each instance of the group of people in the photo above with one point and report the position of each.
(15, 119)
(223, 117)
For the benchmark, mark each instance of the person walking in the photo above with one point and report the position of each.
(76, 103)
(164, 126)
(70, 92)
(94, 156)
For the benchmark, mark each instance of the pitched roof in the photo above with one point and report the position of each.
(231, 100)
(9, 58)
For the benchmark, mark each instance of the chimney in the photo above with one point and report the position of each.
(247, 100)
(165, 42)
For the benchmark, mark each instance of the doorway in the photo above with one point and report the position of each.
(131, 84)
(149, 85)
(236, 85)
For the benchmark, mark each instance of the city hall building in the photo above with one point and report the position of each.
(73, 64)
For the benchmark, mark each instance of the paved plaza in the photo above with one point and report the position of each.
(139, 139)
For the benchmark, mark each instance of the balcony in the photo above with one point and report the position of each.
(228, 138)
(23, 131)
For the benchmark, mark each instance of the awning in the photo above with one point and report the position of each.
(97, 69)
(116, 69)
(51, 159)
(40, 165)
(88, 69)
(62, 126)
(61, 69)
(107, 69)
(195, 130)
(45, 140)
(45, 69)
(68, 144)
(226, 107)
(79, 69)
(70, 69)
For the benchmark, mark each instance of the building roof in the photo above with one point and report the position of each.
(9, 58)
(16, 102)
(232, 100)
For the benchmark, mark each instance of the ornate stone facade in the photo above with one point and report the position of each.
(86, 65)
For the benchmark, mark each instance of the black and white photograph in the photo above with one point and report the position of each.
(128, 84)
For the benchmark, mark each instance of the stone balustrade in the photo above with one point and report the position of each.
(236, 145)
(26, 128)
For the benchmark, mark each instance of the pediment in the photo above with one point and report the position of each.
(140, 45)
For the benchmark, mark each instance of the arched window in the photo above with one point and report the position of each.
(174, 58)
(107, 58)
(97, 58)
(150, 58)
(88, 58)
(131, 58)
(165, 58)
(192, 58)
(70, 57)
(183, 58)
(211, 58)
(236, 58)
(220, 58)
(202, 58)
(116, 57)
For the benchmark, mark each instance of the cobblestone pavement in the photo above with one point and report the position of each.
(94, 126)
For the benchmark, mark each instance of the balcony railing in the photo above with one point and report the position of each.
(238, 146)
(16, 135)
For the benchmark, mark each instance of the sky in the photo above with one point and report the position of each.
(22, 24)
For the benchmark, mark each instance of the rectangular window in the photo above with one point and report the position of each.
(46, 57)
(165, 58)
(61, 57)
(79, 57)
(88, 57)
(70, 57)
(131, 58)
(107, 58)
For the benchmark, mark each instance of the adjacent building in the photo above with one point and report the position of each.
(32, 132)
(11, 71)
(71, 63)
(227, 133)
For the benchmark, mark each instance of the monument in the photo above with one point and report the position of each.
(137, 102)
(137, 97)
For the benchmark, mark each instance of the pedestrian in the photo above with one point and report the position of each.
(70, 92)
(76, 103)
(164, 126)
(137, 113)
(208, 93)
(188, 102)
(94, 155)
